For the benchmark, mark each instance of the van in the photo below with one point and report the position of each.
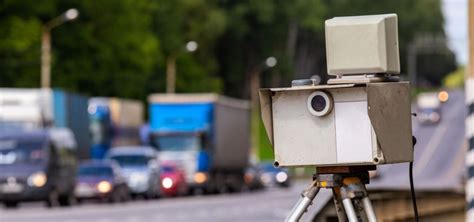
(38, 165)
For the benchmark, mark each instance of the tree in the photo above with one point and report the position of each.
(107, 54)
(20, 39)
(176, 23)
(109, 51)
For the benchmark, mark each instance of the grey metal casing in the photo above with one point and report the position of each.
(369, 124)
(362, 45)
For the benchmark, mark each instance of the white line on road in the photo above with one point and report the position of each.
(432, 146)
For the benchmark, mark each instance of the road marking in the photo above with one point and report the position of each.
(430, 149)
(434, 142)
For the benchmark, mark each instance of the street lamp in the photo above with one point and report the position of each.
(254, 85)
(271, 62)
(190, 46)
(67, 16)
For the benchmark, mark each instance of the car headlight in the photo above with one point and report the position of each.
(37, 179)
(104, 186)
(167, 182)
(200, 177)
(434, 117)
(248, 177)
(266, 178)
(281, 177)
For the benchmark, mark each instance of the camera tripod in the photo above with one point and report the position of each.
(349, 193)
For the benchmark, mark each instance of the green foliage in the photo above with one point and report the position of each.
(455, 79)
(176, 23)
(265, 150)
(109, 54)
(19, 55)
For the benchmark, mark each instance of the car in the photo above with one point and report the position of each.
(173, 180)
(253, 178)
(428, 108)
(140, 167)
(37, 165)
(272, 176)
(102, 180)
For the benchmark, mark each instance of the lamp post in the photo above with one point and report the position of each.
(254, 85)
(191, 46)
(69, 15)
(269, 63)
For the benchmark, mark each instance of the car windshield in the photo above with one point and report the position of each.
(131, 160)
(177, 142)
(95, 171)
(167, 169)
(22, 151)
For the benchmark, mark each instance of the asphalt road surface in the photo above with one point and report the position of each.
(439, 164)
(266, 205)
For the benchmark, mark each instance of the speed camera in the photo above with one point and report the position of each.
(363, 115)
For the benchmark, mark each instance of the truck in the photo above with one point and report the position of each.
(207, 135)
(35, 108)
(114, 122)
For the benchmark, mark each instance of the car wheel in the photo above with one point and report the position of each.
(115, 196)
(53, 198)
(125, 195)
(11, 204)
(66, 200)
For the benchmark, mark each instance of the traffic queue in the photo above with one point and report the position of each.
(63, 148)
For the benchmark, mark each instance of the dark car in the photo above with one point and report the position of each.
(37, 165)
(173, 180)
(101, 180)
(272, 176)
(252, 178)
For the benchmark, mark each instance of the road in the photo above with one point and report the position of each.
(439, 164)
(266, 205)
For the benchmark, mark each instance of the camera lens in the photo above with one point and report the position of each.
(318, 103)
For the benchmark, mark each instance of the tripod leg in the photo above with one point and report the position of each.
(302, 205)
(341, 214)
(369, 210)
(350, 211)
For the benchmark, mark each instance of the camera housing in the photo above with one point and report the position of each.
(368, 124)
(363, 115)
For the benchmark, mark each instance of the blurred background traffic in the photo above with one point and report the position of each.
(140, 102)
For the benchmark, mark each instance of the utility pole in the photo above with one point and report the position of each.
(46, 58)
(469, 87)
(67, 16)
(191, 46)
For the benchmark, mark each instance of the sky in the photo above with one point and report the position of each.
(455, 26)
